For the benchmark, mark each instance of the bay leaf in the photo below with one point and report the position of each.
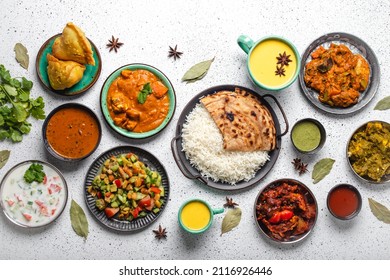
(4, 156)
(381, 212)
(21, 55)
(383, 104)
(198, 71)
(321, 169)
(78, 220)
(231, 220)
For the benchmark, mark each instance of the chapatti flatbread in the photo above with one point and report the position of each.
(245, 123)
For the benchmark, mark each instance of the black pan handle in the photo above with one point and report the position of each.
(181, 166)
(281, 110)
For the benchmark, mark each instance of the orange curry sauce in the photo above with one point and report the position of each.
(72, 133)
(124, 107)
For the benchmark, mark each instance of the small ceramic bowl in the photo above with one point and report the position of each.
(78, 127)
(104, 106)
(299, 133)
(29, 205)
(269, 220)
(344, 201)
(384, 179)
(91, 73)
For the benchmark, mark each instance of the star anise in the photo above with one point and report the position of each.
(283, 59)
(300, 166)
(230, 203)
(174, 53)
(160, 233)
(280, 71)
(114, 44)
(296, 162)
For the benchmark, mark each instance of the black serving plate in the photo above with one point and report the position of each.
(122, 225)
(192, 173)
(357, 46)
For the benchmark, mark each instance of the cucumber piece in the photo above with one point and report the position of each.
(162, 193)
(142, 214)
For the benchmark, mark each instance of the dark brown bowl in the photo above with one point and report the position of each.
(322, 132)
(344, 199)
(309, 198)
(52, 150)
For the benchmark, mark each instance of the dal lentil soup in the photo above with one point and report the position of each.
(73, 132)
(138, 101)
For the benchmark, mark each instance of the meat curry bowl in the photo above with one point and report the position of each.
(137, 101)
(71, 132)
(286, 211)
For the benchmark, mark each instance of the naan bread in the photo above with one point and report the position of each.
(245, 124)
(73, 45)
(63, 74)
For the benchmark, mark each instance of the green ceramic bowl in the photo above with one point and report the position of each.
(104, 107)
(91, 73)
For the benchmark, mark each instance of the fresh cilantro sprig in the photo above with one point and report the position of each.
(143, 94)
(16, 106)
(34, 173)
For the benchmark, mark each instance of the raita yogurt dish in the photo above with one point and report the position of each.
(33, 204)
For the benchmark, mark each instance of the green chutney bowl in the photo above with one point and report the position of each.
(104, 106)
(90, 76)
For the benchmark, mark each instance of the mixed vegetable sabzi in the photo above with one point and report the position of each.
(126, 188)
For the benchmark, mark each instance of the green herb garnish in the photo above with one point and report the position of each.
(146, 90)
(34, 173)
(16, 106)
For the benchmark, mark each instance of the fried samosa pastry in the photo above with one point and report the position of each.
(73, 45)
(63, 74)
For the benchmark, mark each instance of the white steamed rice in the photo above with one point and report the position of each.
(203, 146)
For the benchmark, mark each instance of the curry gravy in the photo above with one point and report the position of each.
(72, 132)
(125, 109)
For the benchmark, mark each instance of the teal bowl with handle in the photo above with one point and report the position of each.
(104, 106)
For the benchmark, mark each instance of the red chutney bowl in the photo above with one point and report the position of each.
(344, 201)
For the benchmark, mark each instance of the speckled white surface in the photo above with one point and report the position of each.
(202, 29)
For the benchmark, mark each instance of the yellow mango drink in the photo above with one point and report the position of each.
(264, 67)
(195, 215)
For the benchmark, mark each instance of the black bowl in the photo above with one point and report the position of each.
(322, 132)
(344, 200)
(52, 150)
(309, 198)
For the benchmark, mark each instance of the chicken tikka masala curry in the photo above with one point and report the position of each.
(138, 101)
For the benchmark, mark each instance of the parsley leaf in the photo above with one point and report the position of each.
(143, 94)
(34, 173)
